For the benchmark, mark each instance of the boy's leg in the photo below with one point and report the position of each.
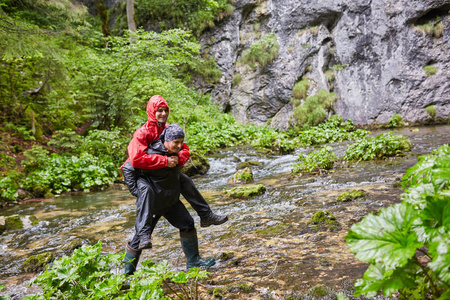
(198, 203)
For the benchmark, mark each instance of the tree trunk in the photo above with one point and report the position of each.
(130, 15)
(103, 14)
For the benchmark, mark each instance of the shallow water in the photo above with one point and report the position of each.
(288, 260)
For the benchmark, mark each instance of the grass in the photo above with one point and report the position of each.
(262, 52)
(314, 110)
(431, 111)
(300, 89)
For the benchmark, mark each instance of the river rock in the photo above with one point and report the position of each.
(350, 196)
(244, 175)
(247, 164)
(246, 191)
(196, 165)
(38, 262)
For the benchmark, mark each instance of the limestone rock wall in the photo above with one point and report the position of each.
(375, 49)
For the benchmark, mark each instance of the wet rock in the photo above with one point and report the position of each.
(274, 230)
(226, 256)
(247, 164)
(34, 220)
(37, 263)
(72, 245)
(12, 223)
(246, 191)
(196, 165)
(350, 196)
(242, 176)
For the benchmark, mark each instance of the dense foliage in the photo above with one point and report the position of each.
(88, 274)
(318, 160)
(381, 146)
(408, 244)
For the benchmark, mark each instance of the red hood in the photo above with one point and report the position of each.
(152, 106)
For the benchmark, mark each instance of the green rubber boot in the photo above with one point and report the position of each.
(189, 243)
(131, 259)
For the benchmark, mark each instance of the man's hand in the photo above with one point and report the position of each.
(172, 161)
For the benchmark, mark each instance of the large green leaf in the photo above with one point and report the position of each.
(440, 249)
(388, 238)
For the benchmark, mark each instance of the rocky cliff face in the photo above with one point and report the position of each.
(371, 53)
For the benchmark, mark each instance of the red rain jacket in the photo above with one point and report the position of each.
(149, 132)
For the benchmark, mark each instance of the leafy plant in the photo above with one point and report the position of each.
(87, 274)
(395, 121)
(407, 244)
(381, 146)
(322, 159)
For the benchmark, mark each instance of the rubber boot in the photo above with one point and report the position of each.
(190, 249)
(131, 259)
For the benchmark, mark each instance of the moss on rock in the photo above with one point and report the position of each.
(196, 165)
(274, 230)
(72, 245)
(349, 196)
(38, 262)
(242, 176)
(247, 191)
(247, 164)
(323, 220)
(13, 222)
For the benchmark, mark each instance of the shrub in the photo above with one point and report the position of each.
(396, 240)
(64, 174)
(430, 70)
(433, 27)
(300, 89)
(314, 110)
(384, 145)
(431, 111)
(322, 159)
(395, 121)
(261, 52)
(88, 274)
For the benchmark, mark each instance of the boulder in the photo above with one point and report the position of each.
(196, 165)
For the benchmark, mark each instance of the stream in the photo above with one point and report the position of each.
(266, 250)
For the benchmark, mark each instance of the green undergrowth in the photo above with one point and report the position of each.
(88, 274)
(408, 244)
(316, 161)
(379, 147)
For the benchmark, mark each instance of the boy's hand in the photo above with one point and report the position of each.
(172, 161)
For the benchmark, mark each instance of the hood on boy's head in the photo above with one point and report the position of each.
(152, 106)
(172, 132)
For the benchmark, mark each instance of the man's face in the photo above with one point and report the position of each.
(174, 146)
(161, 114)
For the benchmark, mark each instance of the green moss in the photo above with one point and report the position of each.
(37, 263)
(226, 256)
(196, 165)
(274, 230)
(247, 164)
(242, 176)
(13, 222)
(34, 220)
(323, 220)
(246, 191)
(430, 70)
(72, 245)
(349, 196)
(218, 292)
(319, 291)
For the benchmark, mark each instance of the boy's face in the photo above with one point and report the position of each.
(161, 114)
(174, 146)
